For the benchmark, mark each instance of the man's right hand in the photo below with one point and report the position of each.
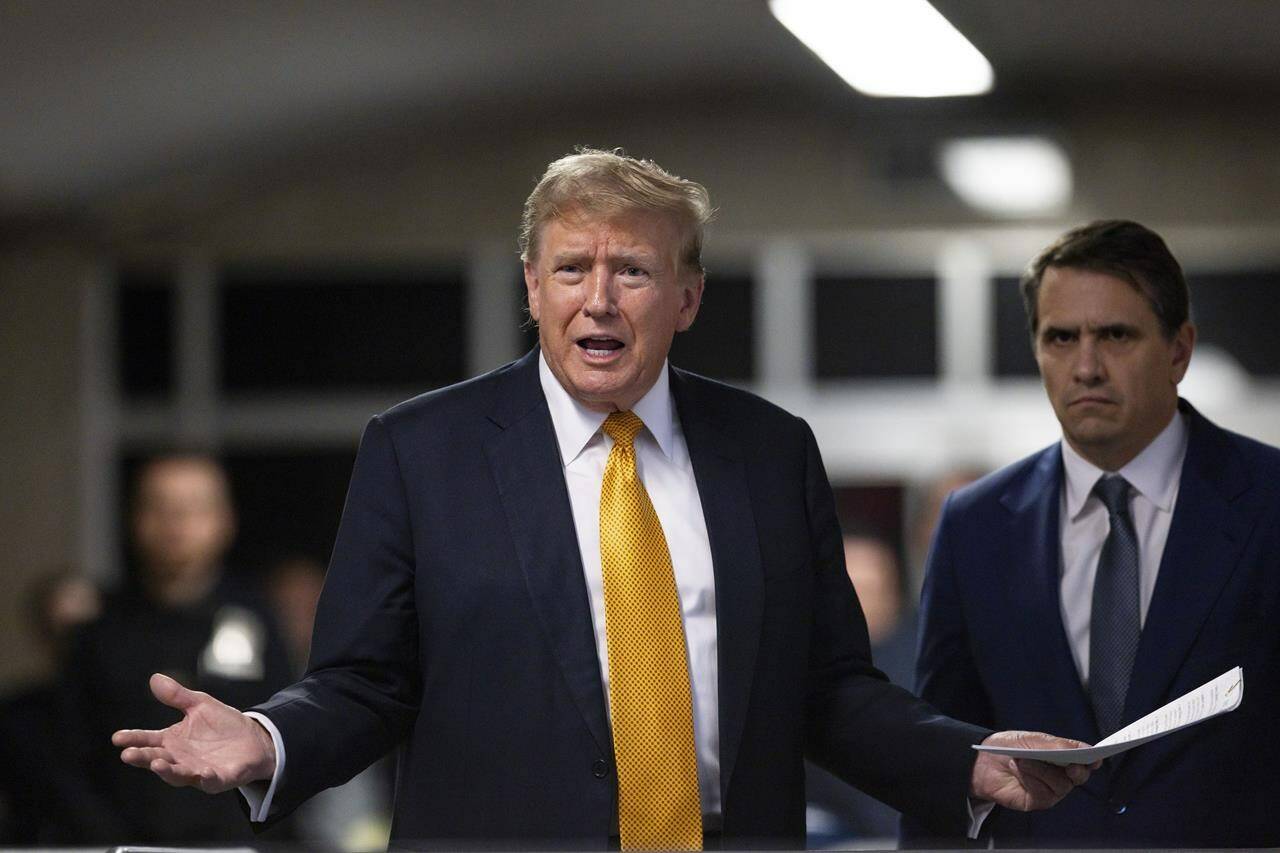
(213, 747)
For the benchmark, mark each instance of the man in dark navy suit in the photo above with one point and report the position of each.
(467, 616)
(1138, 558)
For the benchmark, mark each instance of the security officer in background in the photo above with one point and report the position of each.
(181, 614)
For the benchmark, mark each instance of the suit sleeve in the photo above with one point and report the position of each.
(869, 732)
(359, 696)
(946, 674)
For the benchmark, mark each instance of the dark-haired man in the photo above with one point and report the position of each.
(1089, 584)
(594, 599)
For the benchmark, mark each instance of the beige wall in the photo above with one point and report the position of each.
(770, 168)
(39, 436)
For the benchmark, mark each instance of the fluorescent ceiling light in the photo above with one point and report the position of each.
(1008, 176)
(893, 48)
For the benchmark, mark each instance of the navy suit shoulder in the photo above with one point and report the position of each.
(1008, 483)
(451, 404)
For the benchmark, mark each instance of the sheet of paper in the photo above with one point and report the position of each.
(1219, 696)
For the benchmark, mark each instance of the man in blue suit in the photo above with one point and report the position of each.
(1138, 558)
(468, 617)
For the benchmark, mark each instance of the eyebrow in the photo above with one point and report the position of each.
(636, 257)
(1111, 328)
(569, 256)
(1119, 327)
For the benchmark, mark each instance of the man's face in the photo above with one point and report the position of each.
(182, 520)
(608, 296)
(1111, 375)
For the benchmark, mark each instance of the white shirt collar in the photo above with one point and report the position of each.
(1153, 473)
(575, 424)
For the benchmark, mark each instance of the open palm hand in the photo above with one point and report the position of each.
(213, 747)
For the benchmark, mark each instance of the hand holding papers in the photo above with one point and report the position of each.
(1219, 696)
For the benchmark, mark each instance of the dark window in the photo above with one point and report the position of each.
(1014, 356)
(340, 331)
(1237, 312)
(287, 503)
(145, 305)
(876, 327)
(721, 342)
(872, 510)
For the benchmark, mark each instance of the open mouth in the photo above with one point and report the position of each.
(600, 347)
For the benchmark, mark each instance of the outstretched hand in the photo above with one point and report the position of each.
(213, 747)
(1024, 784)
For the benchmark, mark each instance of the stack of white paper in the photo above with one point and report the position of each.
(1219, 696)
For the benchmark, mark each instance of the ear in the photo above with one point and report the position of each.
(531, 284)
(1184, 341)
(691, 286)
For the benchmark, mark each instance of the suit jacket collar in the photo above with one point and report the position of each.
(1209, 528)
(525, 463)
(1031, 552)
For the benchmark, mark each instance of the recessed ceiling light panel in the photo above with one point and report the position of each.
(1009, 175)
(888, 48)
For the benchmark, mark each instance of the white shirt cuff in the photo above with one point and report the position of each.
(978, 811)
(259, 795)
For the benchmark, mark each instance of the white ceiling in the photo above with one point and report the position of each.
(94, 95)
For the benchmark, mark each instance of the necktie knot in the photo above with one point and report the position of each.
(622, 427)
(1113, 491)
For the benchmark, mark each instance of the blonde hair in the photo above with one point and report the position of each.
(608, 183)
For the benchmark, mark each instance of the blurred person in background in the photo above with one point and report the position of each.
(838, 814)
(876, 573)
(293, 585)
(1123, 566)
(180, 614)
(45, 798)
(351, 817)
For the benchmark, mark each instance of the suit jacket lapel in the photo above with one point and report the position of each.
(526, 466)
(1033, 552)
(1206, 536)
(720, 471)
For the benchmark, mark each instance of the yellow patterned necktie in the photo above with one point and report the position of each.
(649, 693)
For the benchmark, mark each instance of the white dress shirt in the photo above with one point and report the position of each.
(1154, 475)
(663, 464)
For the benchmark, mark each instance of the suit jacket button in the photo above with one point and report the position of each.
(1119, 808)
(599, 769)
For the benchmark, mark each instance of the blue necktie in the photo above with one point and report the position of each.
(1116, 622)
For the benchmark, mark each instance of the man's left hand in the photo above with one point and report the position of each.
(1021, 783)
